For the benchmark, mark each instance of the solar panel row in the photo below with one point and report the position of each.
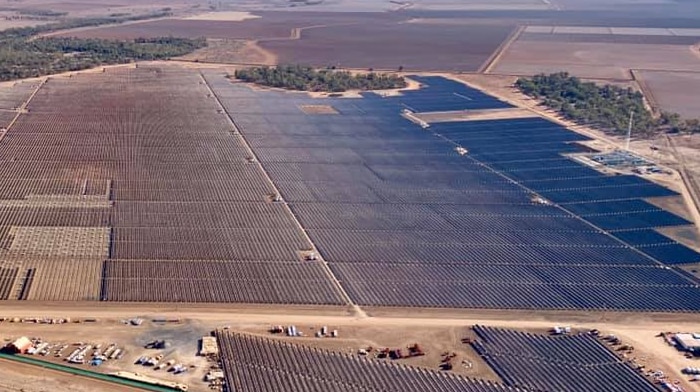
(404, 220)
(577, 363)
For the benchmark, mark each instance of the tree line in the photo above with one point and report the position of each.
(23, 55)
(305, 78)
(23, 58)
(605, 107)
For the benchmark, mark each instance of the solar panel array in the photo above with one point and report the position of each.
(575, 363)
(150, 159)
(146, 190)
(404, 220)
(252, 363)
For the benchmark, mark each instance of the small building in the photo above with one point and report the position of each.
(19, 346)
(688, 342)
(209, 346)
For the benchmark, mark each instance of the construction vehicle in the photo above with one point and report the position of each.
(415, 350)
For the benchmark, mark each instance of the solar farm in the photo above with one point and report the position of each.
(556, 363)
(169, 184)
(253, 363)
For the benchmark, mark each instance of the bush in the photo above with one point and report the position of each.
(606, 107)
(303, 78)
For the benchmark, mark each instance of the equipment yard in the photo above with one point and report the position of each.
(358, 339)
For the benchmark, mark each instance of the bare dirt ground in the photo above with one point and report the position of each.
(233, 52)
(476, 115)
(593, 60)
(674, 91)
(435, 329)
(17, 377)
(230, 16)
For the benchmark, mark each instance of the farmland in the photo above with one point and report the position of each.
(593, 60)
(462, 47)
(674, 91)
(370, 40)
(269, 25)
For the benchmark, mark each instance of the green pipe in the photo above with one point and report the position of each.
(86, 373)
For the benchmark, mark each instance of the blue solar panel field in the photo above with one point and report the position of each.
(402, 219)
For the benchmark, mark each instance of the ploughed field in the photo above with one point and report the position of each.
(354, 40)
(147, 189)
(597, 52)
(420, 47)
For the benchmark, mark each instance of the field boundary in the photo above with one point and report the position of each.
(491, 62)
(690, 193)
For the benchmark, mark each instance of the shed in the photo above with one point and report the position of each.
(688, 342)
(19, 346)
(209, 346)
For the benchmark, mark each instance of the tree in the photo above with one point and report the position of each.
(304, 78)
(606, 107)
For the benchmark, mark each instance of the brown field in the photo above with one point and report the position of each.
(593, 60)
(388, 46)
(231, 52)
(373, 40)
(631, 39)
(674, 91)
(101, 8)
(269, 25)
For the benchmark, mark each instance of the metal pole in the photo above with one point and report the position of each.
(629, 131)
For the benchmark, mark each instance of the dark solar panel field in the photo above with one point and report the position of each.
(404, 220)
(145, 190)
(577, 363)
(252, 364)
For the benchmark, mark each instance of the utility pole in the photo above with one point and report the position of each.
(629, 131)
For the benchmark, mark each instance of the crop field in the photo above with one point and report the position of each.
(253, 363)
(593, 60)
(577, 363)
(356, 40)
(389, 46)
(674, 91)
(278, 25)
(402, 218)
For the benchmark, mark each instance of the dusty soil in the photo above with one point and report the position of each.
(131, 339)
(17, 377)
(436, 330)
(674, 91)
(391, 45)
(231, 51)
(230, 16)
(476, 115)
(593, 60)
